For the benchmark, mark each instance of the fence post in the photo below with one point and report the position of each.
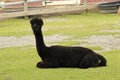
(118, 11)
(25, 8)
(85, 6)
(78, 2)
(3, 4)
(44, 2)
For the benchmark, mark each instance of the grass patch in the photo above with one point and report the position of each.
(69, 42)
(15, 27)
(84, 25)
(77, 25)
(18, 63)
(94, 47)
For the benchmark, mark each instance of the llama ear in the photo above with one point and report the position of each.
(31, 22)
(41, 21)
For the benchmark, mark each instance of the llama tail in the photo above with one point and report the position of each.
(102, 60)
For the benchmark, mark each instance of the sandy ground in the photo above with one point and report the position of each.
(107, 42)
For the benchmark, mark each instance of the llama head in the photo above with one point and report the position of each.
(36, 24)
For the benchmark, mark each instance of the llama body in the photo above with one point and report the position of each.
(62, 56)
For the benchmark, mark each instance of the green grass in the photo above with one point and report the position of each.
(84, 25)
(15, 27)
(97, 48)
(18, 63)
(77, 25)
(69, 42)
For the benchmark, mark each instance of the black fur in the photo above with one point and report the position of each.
(61, 56)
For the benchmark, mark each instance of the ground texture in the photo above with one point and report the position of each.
(107, 42)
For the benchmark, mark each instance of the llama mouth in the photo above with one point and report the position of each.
(35, 28)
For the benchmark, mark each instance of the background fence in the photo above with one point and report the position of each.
(14, 8)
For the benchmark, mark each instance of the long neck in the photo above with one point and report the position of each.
(39, 43)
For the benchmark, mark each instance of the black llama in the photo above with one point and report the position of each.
(62, 56)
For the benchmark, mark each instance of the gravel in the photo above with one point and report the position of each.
(12, 41)
(107, 42)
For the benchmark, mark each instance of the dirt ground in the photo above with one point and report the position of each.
(107, 42)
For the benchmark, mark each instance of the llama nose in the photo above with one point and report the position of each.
(34, 25)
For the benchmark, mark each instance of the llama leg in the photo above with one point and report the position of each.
(46, 65)
(89, 61)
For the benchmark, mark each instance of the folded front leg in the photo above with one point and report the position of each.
(47, 65)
